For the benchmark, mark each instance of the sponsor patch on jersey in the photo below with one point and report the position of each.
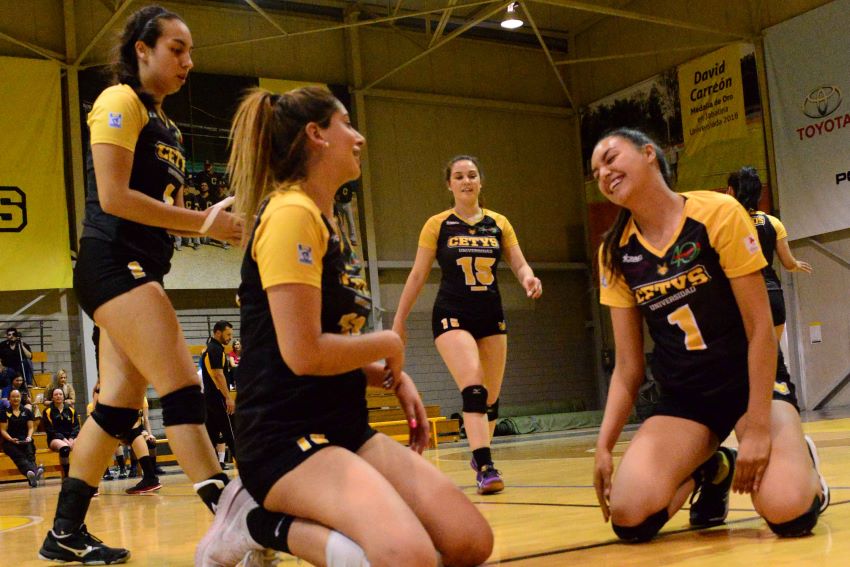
(632, 259)
(685, 253)
(751, 244)
(115, 119)
(136, 270)
(305, 254)
(452, 222)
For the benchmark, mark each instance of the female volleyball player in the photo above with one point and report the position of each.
(136, 170)
(690, 265)
(468, 323)
(305, 448)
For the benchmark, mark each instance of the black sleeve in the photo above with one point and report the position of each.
(215, 355)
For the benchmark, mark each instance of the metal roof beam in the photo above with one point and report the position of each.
(266, 16)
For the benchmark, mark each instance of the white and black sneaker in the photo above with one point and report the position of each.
(813, 451)
(80, 547)
(31, 478)
(228, 542)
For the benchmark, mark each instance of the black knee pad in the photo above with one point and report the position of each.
(183, 406)
(474, 399)
(151, 444)
(64, 452)
(644, 531)
(800, 526)
(493, 411)
(115, 421)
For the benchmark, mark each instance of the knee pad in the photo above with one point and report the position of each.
(64, 452)
(474, 399)
(151, 444)
(493, 411)
(117, 422)
(644, 531)
(183, 406)
(799, 526)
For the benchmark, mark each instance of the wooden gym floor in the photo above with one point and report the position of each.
(547, 515)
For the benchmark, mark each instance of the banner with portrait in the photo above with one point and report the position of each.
(807, 70)
(35, 250)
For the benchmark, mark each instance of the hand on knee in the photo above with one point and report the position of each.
(644, 531)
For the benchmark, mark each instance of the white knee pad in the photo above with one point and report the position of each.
(342, 552)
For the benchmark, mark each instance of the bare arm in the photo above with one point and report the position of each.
(412, 288)
(625, 383)
(296, 311)
(523, 272)
(113, 165)
(788, 260)
(30, 429)
(627, 377)
(751, 295)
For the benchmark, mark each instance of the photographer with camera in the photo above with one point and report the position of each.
(16, 354)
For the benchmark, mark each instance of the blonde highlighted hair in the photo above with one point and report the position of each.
(268, 143)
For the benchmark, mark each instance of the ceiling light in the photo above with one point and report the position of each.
(511, 20)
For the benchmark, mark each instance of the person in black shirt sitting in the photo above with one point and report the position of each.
(16, 427)
(62, 425)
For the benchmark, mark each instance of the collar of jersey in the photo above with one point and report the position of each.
(659, 252)
(465, 221)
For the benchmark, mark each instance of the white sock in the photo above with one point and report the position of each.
(221, 456)
(342, 552)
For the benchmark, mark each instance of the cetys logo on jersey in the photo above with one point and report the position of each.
(473, 242)
(13, 209)
(171, 155)
(680, 282)
(685, 253)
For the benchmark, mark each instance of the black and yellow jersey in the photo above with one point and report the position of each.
(17, 426)
(61, 424)
(119, 117)
(684, 293)
(468, 255)
(769, 229)
(212, 358)
(293, 243)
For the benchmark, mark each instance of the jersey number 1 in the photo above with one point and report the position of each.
(684, 318)
(482, 276)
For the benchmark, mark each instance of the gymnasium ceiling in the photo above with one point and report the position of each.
(571, 33)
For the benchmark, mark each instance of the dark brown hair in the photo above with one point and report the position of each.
(143, 25)
(746, 185)
(612, 262)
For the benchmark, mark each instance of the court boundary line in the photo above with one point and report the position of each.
(610, 542)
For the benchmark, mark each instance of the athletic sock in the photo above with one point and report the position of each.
(220, 456)
(74, 499)
(269, 529)
(148, 471)
(210, 490)
(482, 457)
(122, 463)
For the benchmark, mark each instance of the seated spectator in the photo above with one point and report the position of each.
(17, 384)
(17, 354)
(16, 427)
(62, 426)
(60, 380)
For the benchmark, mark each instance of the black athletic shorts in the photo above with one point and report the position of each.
(479, 323)
(103, 272)
(720, 411)
(131, 435)
(777, 306)
(284, 455)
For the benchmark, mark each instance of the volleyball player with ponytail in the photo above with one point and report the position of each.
(304, 445)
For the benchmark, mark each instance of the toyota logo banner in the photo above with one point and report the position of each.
(809, 83)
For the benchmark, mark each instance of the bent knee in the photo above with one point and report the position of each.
(642, 531)
(800, 525)
(781, 508)
(473, 548)
(402, 551)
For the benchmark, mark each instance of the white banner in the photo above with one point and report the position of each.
(809, 83)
